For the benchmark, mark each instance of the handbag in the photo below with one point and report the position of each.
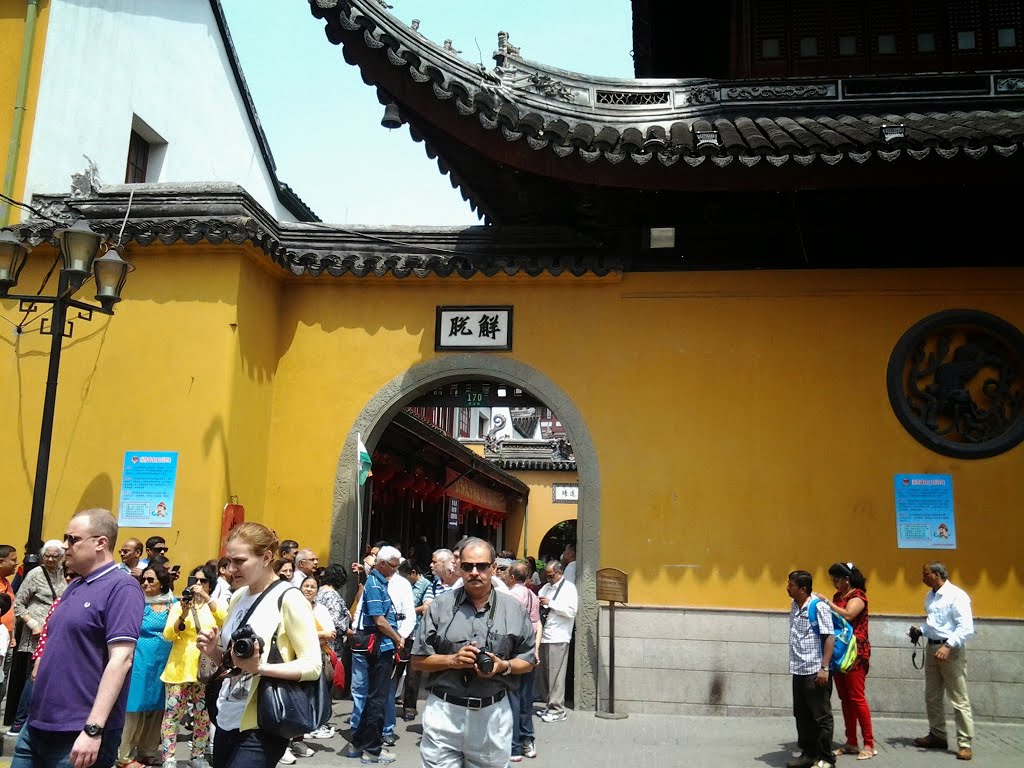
(364, 640)
(338, 677)
(290, 708)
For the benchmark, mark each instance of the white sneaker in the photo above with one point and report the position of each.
(323, 732)
(551, 717)
(287, 758)
(384, 757)
(301, 750)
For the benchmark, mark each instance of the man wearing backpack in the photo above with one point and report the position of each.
(811, 640)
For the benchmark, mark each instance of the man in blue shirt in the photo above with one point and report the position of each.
(378, 615)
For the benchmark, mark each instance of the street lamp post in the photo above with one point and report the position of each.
(79, 247)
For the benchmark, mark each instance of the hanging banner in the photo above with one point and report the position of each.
(453, 514)
(924, 512)
(147, 489)
(471, 492)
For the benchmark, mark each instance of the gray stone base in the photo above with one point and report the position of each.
(698, 662)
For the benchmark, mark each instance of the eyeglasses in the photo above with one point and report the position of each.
(478, 567)
(202, 581)
(150, 579)
(71, 539)
(160, 550)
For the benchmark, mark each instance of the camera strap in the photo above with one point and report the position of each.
(913, 656)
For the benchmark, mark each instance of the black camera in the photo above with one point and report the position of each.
(914, 634)
(243, 642)
(484, 662)
(545, 611)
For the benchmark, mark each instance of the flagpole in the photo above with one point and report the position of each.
(359, 503)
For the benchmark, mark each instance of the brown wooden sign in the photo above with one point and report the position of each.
(612, 585)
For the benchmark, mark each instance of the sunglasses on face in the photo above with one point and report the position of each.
(478, 567)
(71, 539)
(160, 550)
(201, 581)
(150, 579)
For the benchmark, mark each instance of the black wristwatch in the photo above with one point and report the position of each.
(92, 730)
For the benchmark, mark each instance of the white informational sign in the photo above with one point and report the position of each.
(924, 512)
(473, 328)
(147, 489)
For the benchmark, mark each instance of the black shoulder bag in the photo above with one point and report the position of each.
(290, 708)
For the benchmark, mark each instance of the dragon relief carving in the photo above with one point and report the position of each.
(939, 388)
(788, 92)
(549, 86)
(491, 440)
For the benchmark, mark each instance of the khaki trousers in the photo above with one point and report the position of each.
(141, 736)
(949, 678)
(553, 662)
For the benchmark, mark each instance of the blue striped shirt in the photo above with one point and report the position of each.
(377, 602)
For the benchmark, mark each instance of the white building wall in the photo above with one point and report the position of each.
(164, 62)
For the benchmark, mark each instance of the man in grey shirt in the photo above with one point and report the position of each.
(472, 643)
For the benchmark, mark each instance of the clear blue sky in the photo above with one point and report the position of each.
(323, 121)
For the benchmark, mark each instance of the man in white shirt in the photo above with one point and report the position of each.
(559, 602)
(569, 563)
(948, 626)
(400, 592)
(306, 562)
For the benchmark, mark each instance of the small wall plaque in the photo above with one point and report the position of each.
(468, 329)
(565, 493)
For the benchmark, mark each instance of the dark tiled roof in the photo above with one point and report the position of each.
(687, 123)
(219, 213)
(546, 465)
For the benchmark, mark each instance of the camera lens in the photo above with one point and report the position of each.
(484, 662)
(242, 648)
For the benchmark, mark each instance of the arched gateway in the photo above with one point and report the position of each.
(403, 389)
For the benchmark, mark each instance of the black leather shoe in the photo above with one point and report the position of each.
(801, 762)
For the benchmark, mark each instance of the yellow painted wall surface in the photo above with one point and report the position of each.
(543, 512)
(741, 420)
(12, 36)
(172, 370)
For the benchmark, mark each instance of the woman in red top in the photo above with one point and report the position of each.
(851, 602)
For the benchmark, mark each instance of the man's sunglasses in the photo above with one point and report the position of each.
(160, 550)
(71, 539)
(478, 567)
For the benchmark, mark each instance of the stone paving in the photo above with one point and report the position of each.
(678, 740)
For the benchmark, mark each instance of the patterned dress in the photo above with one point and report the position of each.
(860, 627)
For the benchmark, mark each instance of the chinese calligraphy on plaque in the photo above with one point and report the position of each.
(473, 328)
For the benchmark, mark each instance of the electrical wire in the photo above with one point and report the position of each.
(29, 208)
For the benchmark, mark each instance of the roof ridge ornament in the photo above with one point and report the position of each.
(505, 48)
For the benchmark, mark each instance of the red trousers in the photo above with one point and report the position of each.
(850, 686)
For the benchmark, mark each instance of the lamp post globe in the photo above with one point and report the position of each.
(110, 272)
(78, 248)
(13, 255)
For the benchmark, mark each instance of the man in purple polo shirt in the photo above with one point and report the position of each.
(78, 704)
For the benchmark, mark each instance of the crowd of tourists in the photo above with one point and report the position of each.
(157, 652)
(106, 663)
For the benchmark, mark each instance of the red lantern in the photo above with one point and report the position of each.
(233, 514)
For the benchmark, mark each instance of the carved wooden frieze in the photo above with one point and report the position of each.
(779, 92)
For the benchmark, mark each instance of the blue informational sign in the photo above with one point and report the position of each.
(924, 512)
(147, 489)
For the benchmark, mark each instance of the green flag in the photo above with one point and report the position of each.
(365, 464)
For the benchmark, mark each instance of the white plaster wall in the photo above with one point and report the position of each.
(162, 60)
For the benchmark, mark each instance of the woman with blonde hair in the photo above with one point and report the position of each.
(239, 742)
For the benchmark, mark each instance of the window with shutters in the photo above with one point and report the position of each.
(138, 160)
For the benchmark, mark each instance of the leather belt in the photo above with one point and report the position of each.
(936, 642)
(471, 702)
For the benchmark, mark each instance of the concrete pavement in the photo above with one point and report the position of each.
(678, 740)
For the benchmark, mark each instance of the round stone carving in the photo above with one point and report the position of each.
(955, 382)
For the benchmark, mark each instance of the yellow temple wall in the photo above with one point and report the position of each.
(740, 419)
